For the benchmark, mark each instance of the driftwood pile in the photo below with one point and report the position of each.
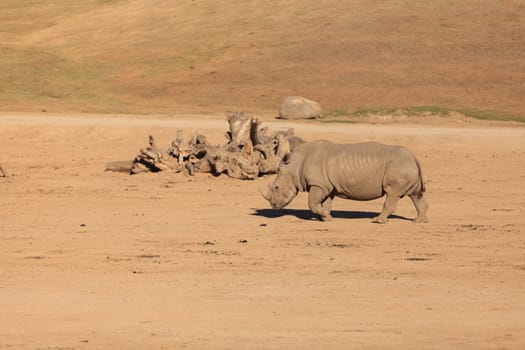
(248, 153)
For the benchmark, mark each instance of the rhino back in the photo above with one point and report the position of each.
(353, 171)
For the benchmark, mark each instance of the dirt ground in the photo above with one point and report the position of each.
(98, 260)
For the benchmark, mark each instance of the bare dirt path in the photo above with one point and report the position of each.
(95, 260)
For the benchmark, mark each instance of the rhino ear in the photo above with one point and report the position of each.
(286, 159)
(284, 162)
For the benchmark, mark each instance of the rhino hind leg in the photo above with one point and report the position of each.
(388, 208)
(320, 202)
(421, 206)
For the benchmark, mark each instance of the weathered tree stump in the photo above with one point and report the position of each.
(241, 164)
(240, 126)
(248, 153)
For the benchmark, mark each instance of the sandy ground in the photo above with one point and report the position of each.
(97, 260)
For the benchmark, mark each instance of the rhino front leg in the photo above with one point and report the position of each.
(388, 208)
(320, 202)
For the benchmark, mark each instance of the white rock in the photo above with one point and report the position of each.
(297, 107)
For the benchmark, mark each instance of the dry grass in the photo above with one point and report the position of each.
(161, 56)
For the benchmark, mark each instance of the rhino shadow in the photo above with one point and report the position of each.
(306, 214)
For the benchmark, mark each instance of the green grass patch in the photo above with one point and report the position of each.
(428, 110)
(334, 113)
(345, 121)
(409, 111)
(490, 115)
(420, 112)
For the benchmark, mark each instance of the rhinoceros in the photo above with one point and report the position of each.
(361, 171)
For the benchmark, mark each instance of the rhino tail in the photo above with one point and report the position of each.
(422, 187)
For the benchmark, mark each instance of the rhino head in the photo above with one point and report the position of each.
(281, 192)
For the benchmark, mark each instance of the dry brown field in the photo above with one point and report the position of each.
(164, 56)
(98, 260)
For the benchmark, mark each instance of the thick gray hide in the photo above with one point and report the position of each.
(362, 171)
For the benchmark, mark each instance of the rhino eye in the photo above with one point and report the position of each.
(276, 187)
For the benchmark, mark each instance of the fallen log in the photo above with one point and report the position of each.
(248, 153)
(123, 166)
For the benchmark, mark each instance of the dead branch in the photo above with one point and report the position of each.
(249, 152)
(152, 159)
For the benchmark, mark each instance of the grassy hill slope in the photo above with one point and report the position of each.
(163, 55)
